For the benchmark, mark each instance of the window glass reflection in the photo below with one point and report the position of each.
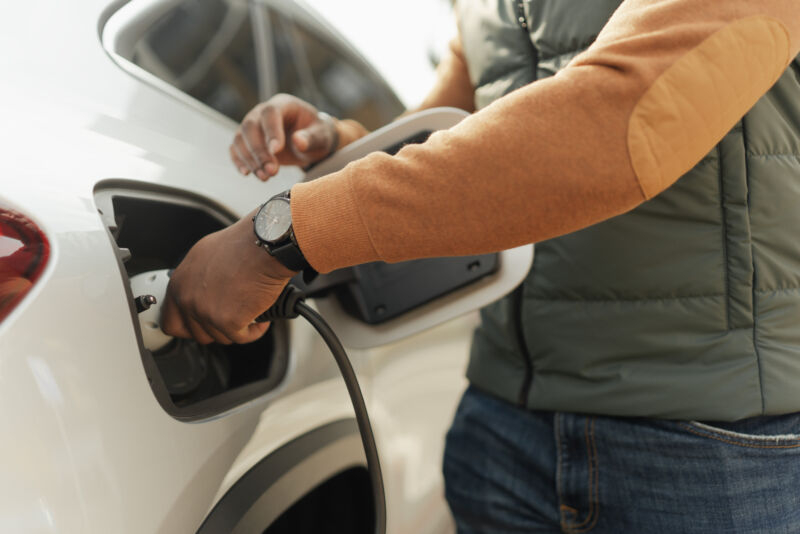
(205, 48)
(318, 71)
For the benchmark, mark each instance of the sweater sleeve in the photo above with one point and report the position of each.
(662, 84)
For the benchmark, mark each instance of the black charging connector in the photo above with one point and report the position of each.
(291, 304)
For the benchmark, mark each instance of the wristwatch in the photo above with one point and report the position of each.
(272, 225)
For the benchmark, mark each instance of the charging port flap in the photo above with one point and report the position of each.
(378, 303)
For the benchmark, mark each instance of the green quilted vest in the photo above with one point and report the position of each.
(688, 307)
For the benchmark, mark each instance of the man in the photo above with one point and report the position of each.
(654, 302)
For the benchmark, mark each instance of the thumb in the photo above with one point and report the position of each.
(251, 332)
(318, 137)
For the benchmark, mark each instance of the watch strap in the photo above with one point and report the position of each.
(288, 253)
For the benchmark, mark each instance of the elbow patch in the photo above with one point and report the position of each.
(699, 98)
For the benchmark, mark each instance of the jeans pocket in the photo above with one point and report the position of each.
(660, 476)
(765, 432)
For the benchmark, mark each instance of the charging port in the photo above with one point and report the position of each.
(154, 229)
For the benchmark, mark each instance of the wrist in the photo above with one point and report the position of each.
(267, 264)
(274, 232)
(275, 269)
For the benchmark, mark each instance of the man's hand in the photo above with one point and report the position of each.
(284, 130)
(222, 285)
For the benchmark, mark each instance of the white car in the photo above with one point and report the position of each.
(116, 118)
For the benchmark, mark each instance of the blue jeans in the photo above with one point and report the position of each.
(508, 470)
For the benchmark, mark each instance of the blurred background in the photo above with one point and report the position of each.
(362, 59)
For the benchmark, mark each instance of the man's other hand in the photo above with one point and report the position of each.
(284, 130)
(222, 285)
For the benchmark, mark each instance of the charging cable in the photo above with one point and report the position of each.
(291, 304)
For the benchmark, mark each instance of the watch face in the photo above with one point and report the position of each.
(273, 220)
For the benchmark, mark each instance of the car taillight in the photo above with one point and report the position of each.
(24, 250)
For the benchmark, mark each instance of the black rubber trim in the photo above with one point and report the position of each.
(238, 500)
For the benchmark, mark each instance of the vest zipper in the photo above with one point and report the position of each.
(521, 17)
(517, 299)
(524, 24)
(527, 380)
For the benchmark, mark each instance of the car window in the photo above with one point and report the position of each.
(206, 49)
(289, 60)
(311, 67)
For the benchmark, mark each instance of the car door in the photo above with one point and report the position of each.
(220, 58)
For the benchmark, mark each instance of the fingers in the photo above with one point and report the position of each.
(172, 321)
(241, 149)
(282, 130)
(198, 332)
(214, 333)
(243, 167)
(206, 333)
(175, 322)
(250, 151)
(221, 286)
(272, 126)
(251, 333)
(250, 145)
(256, 141)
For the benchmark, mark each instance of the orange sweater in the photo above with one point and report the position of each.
(662, 84)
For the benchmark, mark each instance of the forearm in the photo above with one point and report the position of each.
(661, 86)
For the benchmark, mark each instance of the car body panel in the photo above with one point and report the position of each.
(90, 450)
